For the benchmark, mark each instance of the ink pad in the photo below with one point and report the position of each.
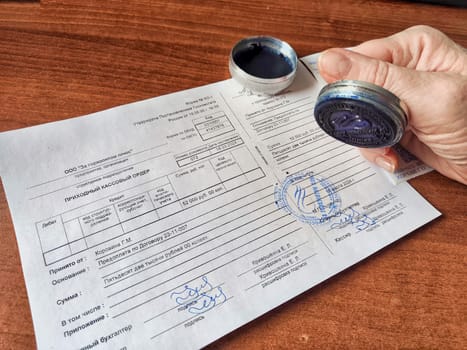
(360, 114)
(263, 64)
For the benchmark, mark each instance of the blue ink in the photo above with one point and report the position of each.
(350, 216)
(201, 298)
(317, 194)
(324, 202)
(300, 194)
(188, 294)
(360, 114)
(208, 300)
(263, 61)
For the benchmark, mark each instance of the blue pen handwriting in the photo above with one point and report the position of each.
(350, 216)
(199, 298)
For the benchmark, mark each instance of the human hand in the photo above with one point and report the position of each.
(427, 71)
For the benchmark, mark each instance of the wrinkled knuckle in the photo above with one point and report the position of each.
(427, 36)
(381, 74)
(423, 30)
(398, 52)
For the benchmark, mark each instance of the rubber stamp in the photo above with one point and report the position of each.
(360, 114)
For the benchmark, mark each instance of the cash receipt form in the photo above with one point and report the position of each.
(172, 221)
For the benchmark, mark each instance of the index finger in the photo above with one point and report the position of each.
(420, 47)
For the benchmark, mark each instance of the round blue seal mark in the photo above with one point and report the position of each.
(310, 198)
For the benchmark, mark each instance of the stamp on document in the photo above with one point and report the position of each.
(309, 197)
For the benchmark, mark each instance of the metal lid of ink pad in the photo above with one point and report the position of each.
(360, 114)
(263, 64)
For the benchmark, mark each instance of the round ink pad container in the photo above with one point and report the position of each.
(360, 114)
(263, 64)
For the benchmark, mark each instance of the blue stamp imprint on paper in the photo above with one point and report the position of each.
(310, 198)
(350, 216)
(199, 297)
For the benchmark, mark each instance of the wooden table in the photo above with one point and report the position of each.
(60, 59)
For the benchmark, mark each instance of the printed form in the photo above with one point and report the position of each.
(170, 222)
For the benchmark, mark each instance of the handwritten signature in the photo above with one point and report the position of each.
(350, 216)
(199, 298)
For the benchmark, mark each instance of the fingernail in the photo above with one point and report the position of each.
(385, 164)
(376, 151)
(334, 64)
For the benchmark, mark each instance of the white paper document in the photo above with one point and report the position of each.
(167, 223)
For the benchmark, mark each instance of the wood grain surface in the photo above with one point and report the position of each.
(60, 59)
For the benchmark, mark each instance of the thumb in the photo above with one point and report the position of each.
(435, 103)
(339, 64)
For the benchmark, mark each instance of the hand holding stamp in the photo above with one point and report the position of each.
(428, 71)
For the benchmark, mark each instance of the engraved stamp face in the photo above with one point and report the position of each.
(360, 114)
